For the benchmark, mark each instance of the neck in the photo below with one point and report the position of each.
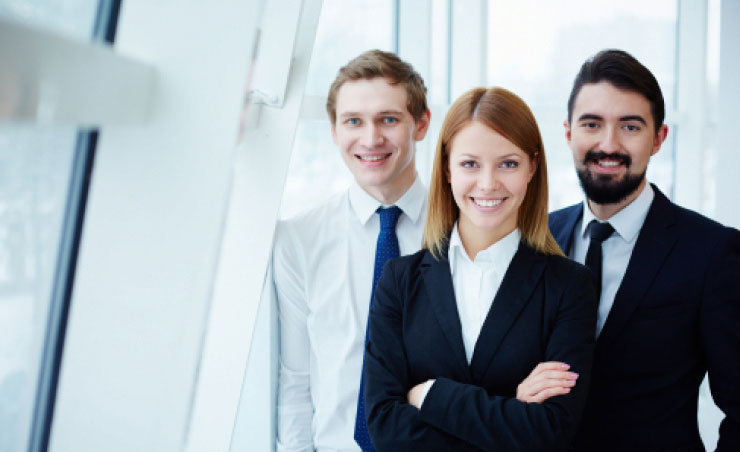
(605, 211)
(475, 240)
(390, 193)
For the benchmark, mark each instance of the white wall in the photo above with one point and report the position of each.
(152, 233)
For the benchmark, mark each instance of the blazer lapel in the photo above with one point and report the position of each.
(515, 292)
(562, 226)
(438, 283)
(654, 243)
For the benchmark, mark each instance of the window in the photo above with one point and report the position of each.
(536, 49)
(345, 30)
(42, 169)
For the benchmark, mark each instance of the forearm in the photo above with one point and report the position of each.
(720, 321)
(496, 422)
(396, 426)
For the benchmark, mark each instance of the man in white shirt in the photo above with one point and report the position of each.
(323, 260)
(669, 310)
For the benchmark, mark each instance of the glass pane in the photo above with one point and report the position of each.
(346, 29)
(316, 169)
(35, 174)
(536, 49)
(35, 167)
(70, 17)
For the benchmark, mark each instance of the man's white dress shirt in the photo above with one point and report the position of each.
(616, 250)
(476, 283)
(323, 264)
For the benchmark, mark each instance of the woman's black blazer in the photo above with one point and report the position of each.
(545, 310)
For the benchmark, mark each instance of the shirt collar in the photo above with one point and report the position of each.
(498, 255)
(411, 203)
(628, 221)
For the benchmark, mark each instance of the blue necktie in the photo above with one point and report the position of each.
(387, 248)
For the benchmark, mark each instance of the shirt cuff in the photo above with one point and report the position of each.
(425, 391)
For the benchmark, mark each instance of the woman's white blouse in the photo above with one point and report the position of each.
(476, 282)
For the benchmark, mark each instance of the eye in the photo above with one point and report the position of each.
(509, 164)
(353, 121)
(468, 164)
(631, 127)
(390, 120)
(590, 125)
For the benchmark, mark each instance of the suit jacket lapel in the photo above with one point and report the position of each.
(515, 292)
(438, 283)
(654, 243)
(563, 225)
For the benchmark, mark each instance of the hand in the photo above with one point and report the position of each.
(415, 394)
(546, 380)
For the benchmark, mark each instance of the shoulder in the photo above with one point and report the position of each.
(407, 267)
(560, 217)
(564, 269)
(699, 229)
(306, 224)
(299, 233)
(565, 212)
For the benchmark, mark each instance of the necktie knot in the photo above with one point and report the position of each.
(600, 231)
(389, 217)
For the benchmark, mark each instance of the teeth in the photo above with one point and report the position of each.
(372, 158)
(609, 163)
(488, 202)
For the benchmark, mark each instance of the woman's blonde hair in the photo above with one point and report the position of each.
(507, 114)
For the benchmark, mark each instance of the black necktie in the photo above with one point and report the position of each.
(599, 232)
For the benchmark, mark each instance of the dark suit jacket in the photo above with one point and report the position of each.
(544, 310)
(675, 316)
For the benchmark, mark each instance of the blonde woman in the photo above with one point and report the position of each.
(457, 328)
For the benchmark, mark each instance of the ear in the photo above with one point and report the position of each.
(660, 137)
(422, 126)
(533, 164)
(566, 126)
(334, 134)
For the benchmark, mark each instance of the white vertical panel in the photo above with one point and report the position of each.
(691, 105)
(728, 163)
(152, 233)
(414, 35)
(469, 45)
(278, 29)
(414, 46)
(260, 170)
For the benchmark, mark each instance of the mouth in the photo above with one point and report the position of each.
(373, 158)
(487, 204)
(607, 163)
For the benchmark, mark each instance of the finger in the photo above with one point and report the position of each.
(548, 393)
(550, 375)
(547, 384)
(551, 365)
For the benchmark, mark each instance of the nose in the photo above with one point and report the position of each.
(610, 140)
(372, 136)
(487, 180)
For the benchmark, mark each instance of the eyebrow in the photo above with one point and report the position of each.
(354, 114)
(389, 112)
(503, 157)
(590, 116)
(637, 118)
(587, 116)
(349, 114)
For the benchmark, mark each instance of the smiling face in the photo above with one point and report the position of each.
(377, 136)
(612, 136)
(488, 175)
